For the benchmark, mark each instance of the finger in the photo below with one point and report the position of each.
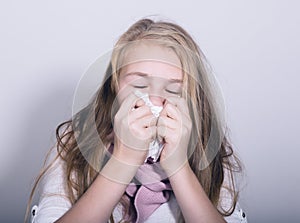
(165, 134)
(173, 100)
(180, 103)
(170, 111)
(147, 121)
(167, 122)
(151, 132)
(139, 103)
(161, 133)
(128, 103)
(183, 106)
(141, 112)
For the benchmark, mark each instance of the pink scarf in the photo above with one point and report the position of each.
(150, 191)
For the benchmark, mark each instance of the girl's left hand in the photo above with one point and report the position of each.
(174, 129)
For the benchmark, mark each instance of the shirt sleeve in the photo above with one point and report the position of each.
(53, 202)
(238, 215)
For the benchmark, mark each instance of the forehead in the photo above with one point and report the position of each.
(152, 59)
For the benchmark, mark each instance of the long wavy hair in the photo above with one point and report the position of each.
(82, 149)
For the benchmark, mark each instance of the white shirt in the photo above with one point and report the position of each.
(53, 202)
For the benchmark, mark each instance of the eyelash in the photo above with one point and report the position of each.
(140, 87)
(171, 92)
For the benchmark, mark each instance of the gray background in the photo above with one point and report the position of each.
(253, 47)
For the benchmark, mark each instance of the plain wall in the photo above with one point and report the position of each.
(252, 46)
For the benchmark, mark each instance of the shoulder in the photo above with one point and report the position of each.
(53, 200)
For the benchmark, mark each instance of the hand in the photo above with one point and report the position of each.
(135, 128)
(174, 128)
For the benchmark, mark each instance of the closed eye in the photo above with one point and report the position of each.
(139, 86)
(174, 88)
(173, 92)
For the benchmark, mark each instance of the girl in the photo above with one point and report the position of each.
(149, 147)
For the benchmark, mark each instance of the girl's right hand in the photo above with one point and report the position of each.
(134, 127)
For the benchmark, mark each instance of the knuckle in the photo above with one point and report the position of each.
(173, 140)
(168, 106)
(186, 130)
(134, 128)
(189, 125)
(117, 117)
(124, 122)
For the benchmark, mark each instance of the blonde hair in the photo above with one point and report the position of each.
(77, 143)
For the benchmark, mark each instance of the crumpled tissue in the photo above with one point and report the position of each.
(155, 147)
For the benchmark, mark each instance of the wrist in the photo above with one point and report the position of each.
(184, 171)
(130, 156)
(173, 164)
(119, 171)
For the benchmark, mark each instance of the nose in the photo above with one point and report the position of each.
(157, 100)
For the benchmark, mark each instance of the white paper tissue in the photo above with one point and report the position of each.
(154, 147)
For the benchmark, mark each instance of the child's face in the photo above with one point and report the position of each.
(151, 69)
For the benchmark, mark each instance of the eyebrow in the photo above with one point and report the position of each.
(141, 74)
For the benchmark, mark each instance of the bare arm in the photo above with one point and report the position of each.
(98, 202)
(174, 126)
(192, 199)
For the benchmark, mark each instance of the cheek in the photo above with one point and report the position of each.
(123, 91)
